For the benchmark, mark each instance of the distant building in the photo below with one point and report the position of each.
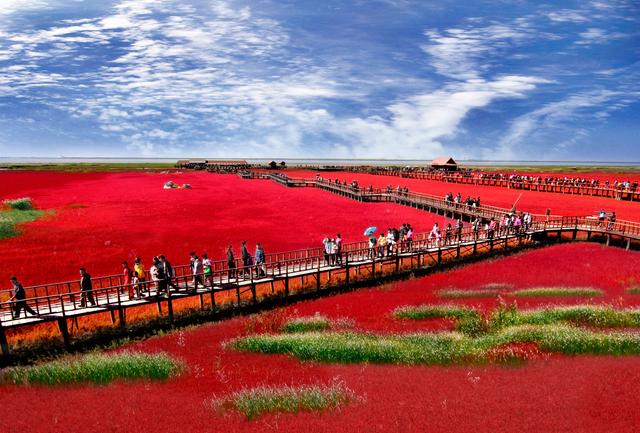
(444, 163)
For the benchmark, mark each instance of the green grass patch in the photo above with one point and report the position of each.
(7, 228)
(439, 348)
(558, 292)
(307, 324)
(255, 402)
(421, 312)
(587, 315)
(23, 203)
(19, 211)
(462, 293)
(96, 368)
(633, 290)
(466, 320)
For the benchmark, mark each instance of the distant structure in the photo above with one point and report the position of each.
(444, 163)
(214, 165)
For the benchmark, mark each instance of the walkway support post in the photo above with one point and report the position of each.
(3, 341)
(64, 330)
(346, 264)
(169, 306)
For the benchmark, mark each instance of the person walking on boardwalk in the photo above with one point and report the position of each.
(601, 216)
(491, 228)
(326, 250)
(142, 273)
(246, 259)
(334, 252)
(476, 227)
(459, 226)
(87, 289)
(231, 263)
(127, 273)
(196, 270)
(20, 300)
(135, 283)
(409, 237)
(169, 274)
(261, 269)
(206, 270)
(435, 235)
(390, 241)
(338, 242)
(157, 275)
(448, 234)
(372, 246)
(612, 221)
(382, 244)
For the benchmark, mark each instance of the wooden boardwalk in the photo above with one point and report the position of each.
(628, 194)
(60, 302)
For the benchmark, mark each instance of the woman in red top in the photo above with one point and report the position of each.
(126, 278)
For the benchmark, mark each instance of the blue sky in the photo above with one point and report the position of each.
(335, 79)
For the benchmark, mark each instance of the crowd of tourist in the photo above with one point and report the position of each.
(626, 185)
(391, 242)
(457, 201)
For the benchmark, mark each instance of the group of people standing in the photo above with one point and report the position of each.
(469, 202)
(394, 240)
(332, 250)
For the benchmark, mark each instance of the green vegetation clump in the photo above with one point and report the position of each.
(460, 293)
(257, 401)
(558, 292)
(96, 368)
(439, 348)
(20, 211)
(633, 290)
(466, 320)
(307, 324)
(23, 203)
(587, 315)
(502, 337)
(7, 228)
(434, 312)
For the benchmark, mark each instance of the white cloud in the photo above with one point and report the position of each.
(596, 35)
(418, 125)
(560, 114)
(568, 16)
(8, 7)
(463, 53)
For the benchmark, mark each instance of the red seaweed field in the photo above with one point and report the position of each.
(99, 219)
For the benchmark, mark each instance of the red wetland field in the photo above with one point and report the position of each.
(99, 219)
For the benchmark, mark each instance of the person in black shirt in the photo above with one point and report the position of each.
(246, 259)
(86, 288)
(167, 269)
(231, 263)
(19, 296)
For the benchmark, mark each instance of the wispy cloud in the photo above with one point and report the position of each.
(568, 16)
(595, 35)
(565, 113)
(13, 6)
(463, 53)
